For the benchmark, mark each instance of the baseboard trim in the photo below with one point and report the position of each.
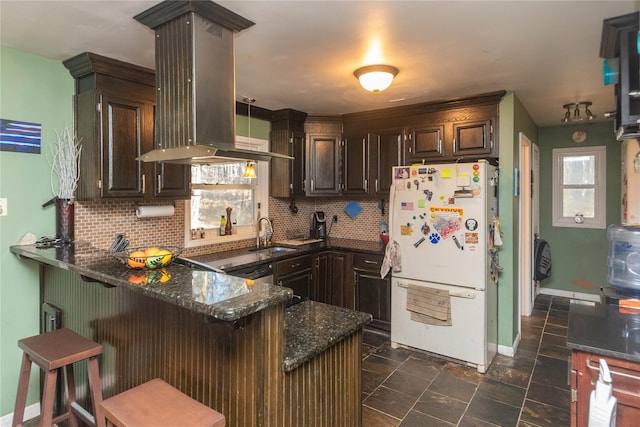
(510, 351)
(30, 411)
(572, 295)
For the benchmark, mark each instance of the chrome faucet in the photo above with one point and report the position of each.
(268, 232)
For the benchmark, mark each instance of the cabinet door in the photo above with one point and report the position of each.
(426, 143)
(123, 136)
(172, 181)
(473, 138)
(390, 146)
(355, 164)
(287, 176)
(297, 165)
(300, 282)
(374, 297)
(342, 289)
(324, 164)
(322, 278)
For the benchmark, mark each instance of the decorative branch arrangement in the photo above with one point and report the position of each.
(65, 164)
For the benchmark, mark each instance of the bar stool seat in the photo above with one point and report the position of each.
(156, 403)
(52, 351)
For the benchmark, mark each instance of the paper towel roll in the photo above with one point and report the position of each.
(154, 211)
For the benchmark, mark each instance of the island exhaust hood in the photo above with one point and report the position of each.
(195, 79)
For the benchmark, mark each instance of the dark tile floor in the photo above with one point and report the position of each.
(402, 387)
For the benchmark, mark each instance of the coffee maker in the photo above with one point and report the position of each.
(318, 225)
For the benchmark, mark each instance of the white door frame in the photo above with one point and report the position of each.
(525, 230)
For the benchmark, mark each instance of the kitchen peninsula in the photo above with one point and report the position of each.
(225, 341)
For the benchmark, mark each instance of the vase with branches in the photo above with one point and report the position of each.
(65, 173)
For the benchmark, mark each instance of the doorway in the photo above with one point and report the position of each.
(528, 221)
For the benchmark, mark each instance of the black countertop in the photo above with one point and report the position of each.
(230, 261)
(220, 296)
(602, 329)
(310, 327)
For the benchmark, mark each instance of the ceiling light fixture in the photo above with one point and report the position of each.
(376, 78)
(250, 168)
(575, 117)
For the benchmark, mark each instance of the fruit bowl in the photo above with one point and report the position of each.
(149, 258)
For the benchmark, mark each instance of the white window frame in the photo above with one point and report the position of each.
(261, 196)
(600, 197)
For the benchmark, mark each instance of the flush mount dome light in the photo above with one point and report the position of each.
(375, 78)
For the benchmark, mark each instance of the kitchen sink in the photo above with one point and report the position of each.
(274, 250)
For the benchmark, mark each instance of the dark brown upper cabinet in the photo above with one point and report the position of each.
(288, 137)
(114, 118)
(425, 142)
(473, 138)
(324, 153)
(619, 41)
(355, 163)
(389, 153)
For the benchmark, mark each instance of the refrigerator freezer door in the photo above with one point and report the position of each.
(467, 339)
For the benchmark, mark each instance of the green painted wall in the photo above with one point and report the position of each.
(36, 90)
(513, 120)
(579, 255)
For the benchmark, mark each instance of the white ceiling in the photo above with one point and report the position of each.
(302, 54)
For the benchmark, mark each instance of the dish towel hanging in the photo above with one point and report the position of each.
(429, 305)
(391, 259)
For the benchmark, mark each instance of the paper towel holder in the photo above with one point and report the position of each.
(154, 211)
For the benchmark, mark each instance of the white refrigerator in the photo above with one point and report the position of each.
(444, 290)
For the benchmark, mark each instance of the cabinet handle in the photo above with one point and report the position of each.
(366, 261)
(366, 185)
(439, 146)
(613, 372)
(312, 186)
(279, 282)
(143, 183)
(159, 182)
(295, 265)
(634, 94)
(376, 185)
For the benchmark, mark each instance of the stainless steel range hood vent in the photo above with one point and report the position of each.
(195, 78)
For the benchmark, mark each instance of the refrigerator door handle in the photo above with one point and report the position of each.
(458, 294)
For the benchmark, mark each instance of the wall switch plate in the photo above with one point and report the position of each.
(3, 207)
(335, 218)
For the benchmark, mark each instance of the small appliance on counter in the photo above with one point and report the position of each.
(319, 225)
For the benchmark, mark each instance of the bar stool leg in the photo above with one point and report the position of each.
(71, 395)
(96, 390)
(46, 417)
(23, 387)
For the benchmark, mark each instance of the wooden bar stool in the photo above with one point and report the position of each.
(156, 403)
(52, 351)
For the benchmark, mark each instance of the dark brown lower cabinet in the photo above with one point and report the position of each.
(332, 281)
(373, 293)
(297, 275)
(625, 377)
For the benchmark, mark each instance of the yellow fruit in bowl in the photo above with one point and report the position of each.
(165, 256)
(137, 259)
(151, 251)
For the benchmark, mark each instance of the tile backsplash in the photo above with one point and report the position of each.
(99, 222)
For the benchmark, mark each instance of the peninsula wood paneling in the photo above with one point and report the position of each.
(232, 367)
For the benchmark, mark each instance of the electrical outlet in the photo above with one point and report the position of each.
(3, 206)
(335, 218)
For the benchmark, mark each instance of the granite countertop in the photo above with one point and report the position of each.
(230, 261)
(220, 296)
(602, 329)
(311, 327)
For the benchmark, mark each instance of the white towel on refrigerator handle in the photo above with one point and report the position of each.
(391, 259)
